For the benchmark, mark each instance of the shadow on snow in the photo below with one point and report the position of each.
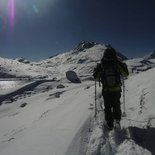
(144, 137)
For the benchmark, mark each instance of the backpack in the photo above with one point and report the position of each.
(110, 74)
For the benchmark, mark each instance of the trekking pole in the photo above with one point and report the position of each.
(95, 100)
(124, 113)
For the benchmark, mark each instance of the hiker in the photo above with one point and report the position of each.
(110, 72)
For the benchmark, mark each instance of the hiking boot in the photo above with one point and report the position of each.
(117, 124)
(109, 125)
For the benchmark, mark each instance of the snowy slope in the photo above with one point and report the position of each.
(82, 62)
(57, 117)
(150, 56)
(49, 122)
(138, 127)
(13, 68)
(141, 90)
(140, 65)
(58, 121)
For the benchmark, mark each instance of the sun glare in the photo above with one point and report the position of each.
(11, 13)
(12, 10)
(7, 13)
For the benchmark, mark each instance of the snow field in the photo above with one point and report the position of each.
(46, 125)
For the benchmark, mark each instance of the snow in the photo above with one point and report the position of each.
(9, 86)
(58, 116)
(46, 125)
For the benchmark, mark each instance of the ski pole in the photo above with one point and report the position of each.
(95, 100)
(124, 113)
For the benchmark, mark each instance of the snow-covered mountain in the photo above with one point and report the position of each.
(15, 68)
(150, 56)
(82, 59)
(138, 65)
(50, 115)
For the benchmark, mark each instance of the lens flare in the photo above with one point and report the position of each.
(35, 8)
(11, 14)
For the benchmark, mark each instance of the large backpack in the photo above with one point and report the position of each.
(110, 74)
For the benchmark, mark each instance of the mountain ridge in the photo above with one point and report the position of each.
(82, 59)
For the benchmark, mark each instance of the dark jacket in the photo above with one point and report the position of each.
(123, 70)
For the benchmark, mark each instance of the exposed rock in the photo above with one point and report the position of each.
(23, 105)
(60, 86)
(23, 60)
(84, 45)
(72, 77)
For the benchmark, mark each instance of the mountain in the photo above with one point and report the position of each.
(18, 68)
(150, 56)
(138, 65)
(82, 59)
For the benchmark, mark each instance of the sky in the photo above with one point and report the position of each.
(38, 29)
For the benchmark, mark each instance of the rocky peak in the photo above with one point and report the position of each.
(150, 56)
(83, 45)
(23, 60)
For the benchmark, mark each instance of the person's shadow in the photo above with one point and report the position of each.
(144, 137)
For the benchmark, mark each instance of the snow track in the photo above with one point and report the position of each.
(105, 142)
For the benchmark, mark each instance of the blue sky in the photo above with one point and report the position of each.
(45, 28)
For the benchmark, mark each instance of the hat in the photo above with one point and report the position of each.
(110, 53)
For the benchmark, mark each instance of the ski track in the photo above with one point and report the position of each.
(105, 142)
